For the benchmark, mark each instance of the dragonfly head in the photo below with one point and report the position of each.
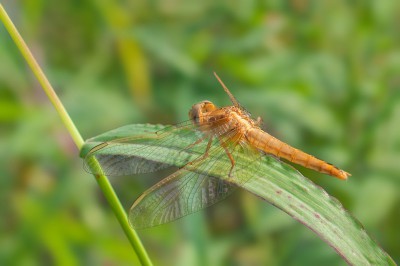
(199, 110)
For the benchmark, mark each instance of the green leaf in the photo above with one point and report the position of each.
(284, 187)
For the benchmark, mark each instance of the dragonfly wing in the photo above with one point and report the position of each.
(171, 146)
(247, 159)
(182, 193)
(145, 153)
(199, 184)
(230, 158)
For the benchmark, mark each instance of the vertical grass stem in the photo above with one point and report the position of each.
(102, 180)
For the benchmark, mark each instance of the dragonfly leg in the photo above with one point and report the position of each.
(205, 155)
(229, 156)
(193, 144)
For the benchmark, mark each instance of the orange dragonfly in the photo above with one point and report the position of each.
(215, 150)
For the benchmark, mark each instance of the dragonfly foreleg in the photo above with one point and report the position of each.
(229, 156)
(205, 154)
(193, 144)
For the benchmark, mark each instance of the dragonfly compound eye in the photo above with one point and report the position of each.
(195, 112)
(208, 106)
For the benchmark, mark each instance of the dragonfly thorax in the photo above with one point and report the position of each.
(216, 121)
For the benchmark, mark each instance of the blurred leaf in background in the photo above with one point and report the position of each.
(324, 75)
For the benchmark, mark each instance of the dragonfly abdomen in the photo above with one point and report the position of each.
(269, 144)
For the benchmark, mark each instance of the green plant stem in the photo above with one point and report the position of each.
(102, 180)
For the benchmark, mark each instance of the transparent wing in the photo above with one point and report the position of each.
(197, 185)
(182, 193)
(212, 164)
(230, 158)
(141, 154)
(177, 145)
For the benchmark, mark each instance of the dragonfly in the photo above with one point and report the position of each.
(215, 151)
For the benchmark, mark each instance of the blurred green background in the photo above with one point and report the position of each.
(323, 75)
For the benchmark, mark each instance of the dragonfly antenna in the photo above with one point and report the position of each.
(233, 99)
